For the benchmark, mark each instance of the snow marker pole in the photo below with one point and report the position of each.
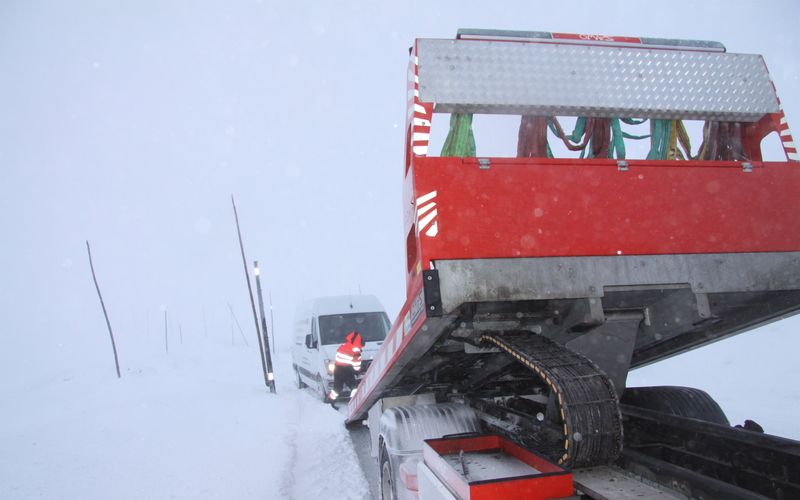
(264, 331)
(105, 313)
(241, 332)
(250, 292)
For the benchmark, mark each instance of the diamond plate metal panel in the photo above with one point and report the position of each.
(581, 80)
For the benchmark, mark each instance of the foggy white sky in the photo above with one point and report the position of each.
(131, 123)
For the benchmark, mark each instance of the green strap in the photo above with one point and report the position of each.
(633, 121)
(460, 140)
(616, 145)
(577, 132)
(659, 139)
(626, 135)
(552, 126)
(580, 127)
(617, 140)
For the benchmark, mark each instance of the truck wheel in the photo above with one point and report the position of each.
(300, 383)
(679, 401)
(387, 485)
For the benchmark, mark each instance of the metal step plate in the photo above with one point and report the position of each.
(610, 483)
(477, 76)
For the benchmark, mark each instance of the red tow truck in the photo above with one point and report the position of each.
(535, 283)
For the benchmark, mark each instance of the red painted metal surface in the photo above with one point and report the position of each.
(551, 482)
(546, 207)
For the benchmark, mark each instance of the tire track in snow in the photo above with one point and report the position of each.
(322, 454)
(288, 476)
(318, 452)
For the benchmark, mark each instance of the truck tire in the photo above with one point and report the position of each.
(679, 401)
(300, 383)
(387, 486)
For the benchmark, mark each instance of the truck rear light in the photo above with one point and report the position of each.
(408, 475)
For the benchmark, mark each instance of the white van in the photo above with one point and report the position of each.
(321, 325)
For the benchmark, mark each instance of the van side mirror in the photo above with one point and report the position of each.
(311, 343)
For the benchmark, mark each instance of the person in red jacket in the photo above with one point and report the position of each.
(347, 363)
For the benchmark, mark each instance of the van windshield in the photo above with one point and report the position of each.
(371, 325)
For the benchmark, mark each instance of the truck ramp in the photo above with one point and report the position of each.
(587, 404)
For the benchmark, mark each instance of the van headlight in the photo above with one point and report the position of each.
(330, 365)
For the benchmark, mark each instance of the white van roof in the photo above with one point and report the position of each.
(341, 304)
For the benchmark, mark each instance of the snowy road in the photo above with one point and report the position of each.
(369, 464)
(197, 423)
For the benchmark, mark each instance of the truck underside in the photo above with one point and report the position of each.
(508, 361)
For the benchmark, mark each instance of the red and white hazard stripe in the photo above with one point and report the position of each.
(787, 140)
(426, 214)
(420, 113)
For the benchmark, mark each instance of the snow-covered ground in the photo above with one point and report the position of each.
(197, 423)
